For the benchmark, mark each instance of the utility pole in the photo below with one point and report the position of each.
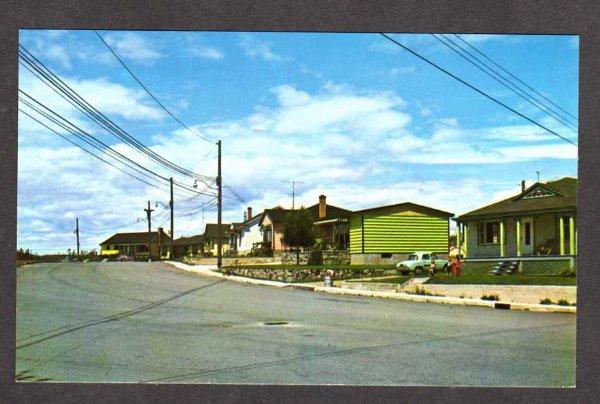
(149, 216)
(77, 233)
(294, 191)
(538, 176)
(220, 208)
(172, 255)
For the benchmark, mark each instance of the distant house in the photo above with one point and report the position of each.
(136, 244)
(540, 220)
(331, 226)
(211, 238)
(387, 234)
(189, 246)
(245, 237)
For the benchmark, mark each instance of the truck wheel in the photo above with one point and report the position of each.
(447, 268)
(418, 270)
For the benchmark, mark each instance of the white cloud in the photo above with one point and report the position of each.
(132, 46)
(58, 54)
(425, 112)
(208, 52)
(480, 38)
(337, 141)
(402, 70)
(106, 96)
(255, 47)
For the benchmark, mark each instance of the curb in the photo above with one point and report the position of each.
(545, 308)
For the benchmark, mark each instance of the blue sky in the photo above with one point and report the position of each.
(351, 116)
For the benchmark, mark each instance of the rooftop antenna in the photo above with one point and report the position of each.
(538, 176)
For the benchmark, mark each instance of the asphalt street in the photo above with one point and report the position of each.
(141, 322)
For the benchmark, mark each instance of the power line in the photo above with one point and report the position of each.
(93, 141)
(148, 91)
(501, 79)
(43, 73)
(87, 151)
(515, 77)
(475, 88)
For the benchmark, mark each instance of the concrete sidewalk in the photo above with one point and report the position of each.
(210, 271)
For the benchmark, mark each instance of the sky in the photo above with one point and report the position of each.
(350, 116)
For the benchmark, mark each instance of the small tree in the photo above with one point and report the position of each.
(298, 230)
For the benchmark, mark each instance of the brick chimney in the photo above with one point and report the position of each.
(249, 214)
(522, 185)
(322, 206)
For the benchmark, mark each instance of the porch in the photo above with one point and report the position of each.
(542, 234)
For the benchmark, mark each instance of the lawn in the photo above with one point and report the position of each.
(443, 279)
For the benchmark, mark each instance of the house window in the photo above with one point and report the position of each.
(489, 232)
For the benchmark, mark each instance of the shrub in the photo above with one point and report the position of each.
(563, 302)
(494, 298)
(546, 301)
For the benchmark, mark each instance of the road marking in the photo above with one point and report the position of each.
(114, 317)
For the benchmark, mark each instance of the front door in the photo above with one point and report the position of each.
(527, 235)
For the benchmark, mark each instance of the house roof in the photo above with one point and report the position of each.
(565, 197)
(332, 212)
(197, 239)
(212, 230)
(247, 223)
(136, 238)
(275, 214)
(405, 206)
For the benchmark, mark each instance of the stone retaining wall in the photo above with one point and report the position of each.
(304, 275)
(317, 257)
(232, 261)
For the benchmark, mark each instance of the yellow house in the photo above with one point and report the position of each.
(211, 238)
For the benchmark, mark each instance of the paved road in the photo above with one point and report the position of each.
(140, 322)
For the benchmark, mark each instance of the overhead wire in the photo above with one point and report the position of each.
(457, 48)
(574, 118)
(46, 75)
(148, 91)
(64, 123)
(471, 86)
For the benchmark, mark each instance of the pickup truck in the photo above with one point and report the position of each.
(420, 261)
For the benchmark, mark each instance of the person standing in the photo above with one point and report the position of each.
(432, 267)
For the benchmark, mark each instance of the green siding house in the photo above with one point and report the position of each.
(539, 221)
(387, 234)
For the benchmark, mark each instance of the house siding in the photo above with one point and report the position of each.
(400, 233)
(249, 237)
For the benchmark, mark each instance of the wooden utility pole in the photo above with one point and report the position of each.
(172, 255)
(149, 216)
(220, 208)
(77, 233)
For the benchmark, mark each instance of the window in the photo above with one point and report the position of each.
(426, 257)
(412, 257)
(489, 232)
(386, 255)
(433, 257)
